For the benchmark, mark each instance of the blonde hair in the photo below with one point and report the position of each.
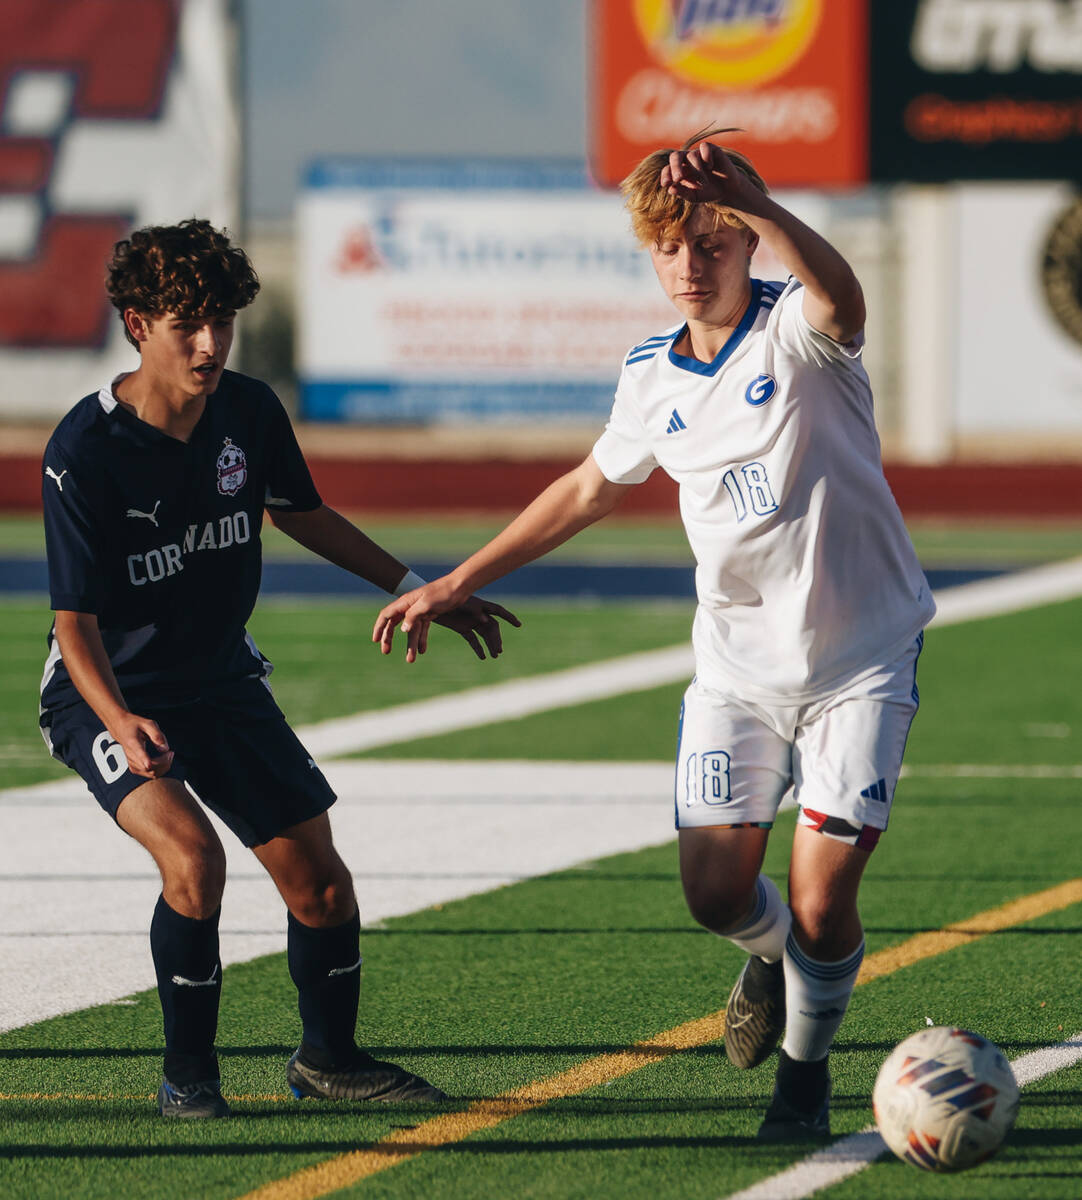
(655, 215)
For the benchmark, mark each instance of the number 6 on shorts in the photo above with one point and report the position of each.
(108, 758)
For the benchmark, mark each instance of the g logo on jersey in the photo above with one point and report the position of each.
(761, 388)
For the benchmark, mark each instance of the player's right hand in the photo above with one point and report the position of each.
(144, 745)
(416, 610)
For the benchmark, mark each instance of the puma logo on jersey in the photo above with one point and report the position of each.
(151, 516)
(53, 475)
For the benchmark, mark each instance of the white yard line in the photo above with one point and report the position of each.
(852, 1154)
(77, 896)
(1048, 584)
(993, 771)
(499, 702)
(639, 672)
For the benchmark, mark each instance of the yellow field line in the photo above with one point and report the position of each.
(995, 920)
(403, 1144)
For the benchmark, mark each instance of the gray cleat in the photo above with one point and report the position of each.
(755, 1014)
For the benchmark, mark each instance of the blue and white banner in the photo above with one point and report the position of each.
(466, 291)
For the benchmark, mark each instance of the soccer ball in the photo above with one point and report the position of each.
(945, 1099)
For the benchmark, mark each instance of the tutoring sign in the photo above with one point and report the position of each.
(466, 291)
(791, 74)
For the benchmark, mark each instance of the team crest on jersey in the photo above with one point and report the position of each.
(232, 469)
(761, 388)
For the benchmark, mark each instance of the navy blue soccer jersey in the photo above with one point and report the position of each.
(161, 538)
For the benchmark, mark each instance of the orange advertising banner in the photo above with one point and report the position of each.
(791, 74)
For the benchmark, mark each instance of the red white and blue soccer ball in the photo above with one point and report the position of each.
(945, 1099)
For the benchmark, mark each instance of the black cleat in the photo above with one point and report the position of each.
(787, 1119)
(755, 1014)
(365, 1078)
(192, 1101)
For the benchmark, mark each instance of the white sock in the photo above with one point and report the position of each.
(767, 926)
(816, 997)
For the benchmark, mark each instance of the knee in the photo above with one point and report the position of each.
(194, 879)
(825, 929)
(324, 902)
(718, 905)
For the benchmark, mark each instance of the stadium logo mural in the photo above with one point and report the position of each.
(61, 66)
(1061, 270)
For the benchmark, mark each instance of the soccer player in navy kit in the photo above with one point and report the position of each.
(154, 490)
(811, 599)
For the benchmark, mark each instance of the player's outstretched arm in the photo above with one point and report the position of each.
(83, 652)
(327, 533)
(833, 298)
(575, 500)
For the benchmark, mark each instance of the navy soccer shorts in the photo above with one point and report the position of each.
(232, 747)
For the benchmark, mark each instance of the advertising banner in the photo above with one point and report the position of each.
(791, 74)
(115, 113)
(466, 291)
(976, 89)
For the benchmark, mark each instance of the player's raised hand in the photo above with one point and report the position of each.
(705, 174)
(474, 619)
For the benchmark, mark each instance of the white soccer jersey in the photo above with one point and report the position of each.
(805, 573)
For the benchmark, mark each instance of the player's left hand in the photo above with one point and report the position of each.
(476, 622)
(705, 174)
(440, 601)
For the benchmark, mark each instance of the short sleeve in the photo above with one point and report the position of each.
(798, 337)
(70, 500)
(623, 452)
(289, 485)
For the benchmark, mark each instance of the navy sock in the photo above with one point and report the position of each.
(325, 965)
(189, 971)
(803, 1084)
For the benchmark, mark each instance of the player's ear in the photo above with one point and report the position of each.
(753, 243)
(137, 324)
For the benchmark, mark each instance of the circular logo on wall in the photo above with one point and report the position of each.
(1061, 270)
(728, 44)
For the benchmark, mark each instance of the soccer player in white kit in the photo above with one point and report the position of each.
(811, 602)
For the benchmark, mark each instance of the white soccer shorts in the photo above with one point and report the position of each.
(841, 755)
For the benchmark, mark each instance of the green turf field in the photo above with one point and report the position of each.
(514, 987)
(619, 539)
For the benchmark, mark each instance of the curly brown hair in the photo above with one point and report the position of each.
(190, 269)
(655, 214)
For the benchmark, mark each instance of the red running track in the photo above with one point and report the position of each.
(430, 486)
